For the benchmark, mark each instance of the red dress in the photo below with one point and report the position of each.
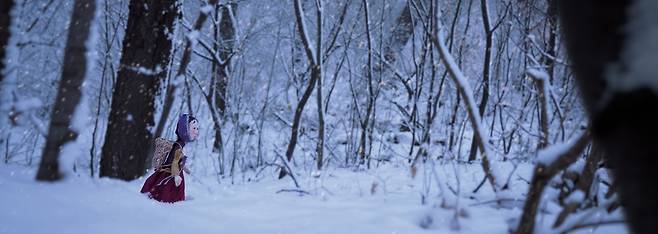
(161, 185)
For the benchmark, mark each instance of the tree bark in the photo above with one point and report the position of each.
(5, 33)
(69, 92)
(146, 47)
(318, 57)
(625, 123)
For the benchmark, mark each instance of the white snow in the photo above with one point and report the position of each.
(551, 153)
(207, 9)
(193, 37)
(27, 104)
(575, 197)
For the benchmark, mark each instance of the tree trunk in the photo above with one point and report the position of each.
(5, 24)
(226, 46)
(368, 75)
(626, 123)
(318, 57)
(182, 69)
(315, 75)
(69, 92)
(485, 71)
(400, 33)
(552, 40)
(146, 47)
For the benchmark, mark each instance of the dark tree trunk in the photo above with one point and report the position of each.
(5, 23)
(225, 44)
(146, 46)
(182, 69)
(552, 40)
(315, 75)
(69, 93)
(485, 71)
(625, 125)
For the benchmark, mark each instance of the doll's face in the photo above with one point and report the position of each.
(194, 130)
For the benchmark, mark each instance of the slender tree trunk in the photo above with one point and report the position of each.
(69, 92)
(224, 46)
(314, 62)
(476, 124)
(146, 47)
(552, 40)
(182, 69)
(366, 117)
(485, 70)
(318, 57)
(400, 33)
(542, 92)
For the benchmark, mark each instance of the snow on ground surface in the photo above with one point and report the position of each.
(341, 202)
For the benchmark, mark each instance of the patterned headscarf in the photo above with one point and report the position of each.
(182, 128)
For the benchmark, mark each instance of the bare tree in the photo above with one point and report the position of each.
(143, 65)
(319, 58)
(315, 63)
(184, 63)
(465, 91)
(489, 29)
(69, 92)
(225, 44)
(371, 91)
(390, 47)
(223, 50)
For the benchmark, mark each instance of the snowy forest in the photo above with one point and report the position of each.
(323, 116)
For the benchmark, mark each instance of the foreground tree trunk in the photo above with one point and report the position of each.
(144, 59)
(5, 23)
(624, 121)
(69, 93)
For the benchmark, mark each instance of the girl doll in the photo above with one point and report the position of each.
(167, 184)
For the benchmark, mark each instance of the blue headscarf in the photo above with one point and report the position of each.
(182, 128)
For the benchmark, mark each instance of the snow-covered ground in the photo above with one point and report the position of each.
(342, 201)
